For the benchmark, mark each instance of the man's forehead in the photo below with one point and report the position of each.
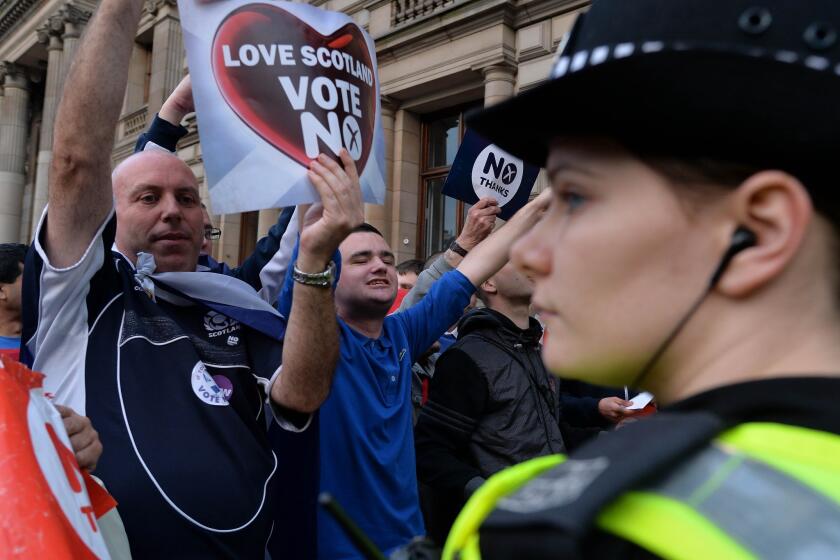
(154, 169)
(364, 241)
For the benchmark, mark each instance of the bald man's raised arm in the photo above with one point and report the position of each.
(80, 174)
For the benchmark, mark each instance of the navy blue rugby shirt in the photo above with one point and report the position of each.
(172, 391)
(367, 438)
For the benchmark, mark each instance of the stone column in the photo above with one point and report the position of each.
(31, 166)
(49, 34)
(74, 19)
(13, 134)
(378, 215)
(499, 82)
(167, 52)
(406, 185)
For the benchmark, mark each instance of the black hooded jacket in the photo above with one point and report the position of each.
(492, 404)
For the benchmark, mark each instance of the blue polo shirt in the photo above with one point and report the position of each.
(367, 440)
(9, 342)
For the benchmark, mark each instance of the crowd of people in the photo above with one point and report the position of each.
(436, 401)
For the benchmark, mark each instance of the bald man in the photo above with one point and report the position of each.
(265, 268)
(176, 384)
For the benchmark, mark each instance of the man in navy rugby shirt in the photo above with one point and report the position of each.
(175, 386)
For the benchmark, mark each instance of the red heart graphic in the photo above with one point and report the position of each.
(270, 97)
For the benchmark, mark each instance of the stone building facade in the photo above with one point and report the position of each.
(437, 60)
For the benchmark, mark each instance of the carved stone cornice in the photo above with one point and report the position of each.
(74, 18)
(13, 75)
(154, 7)
(74, 14)
(50, 32)
(13, 13)
(67, 22)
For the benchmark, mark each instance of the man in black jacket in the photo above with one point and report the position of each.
(492, 404)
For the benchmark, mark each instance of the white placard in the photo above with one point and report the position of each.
(274, 84)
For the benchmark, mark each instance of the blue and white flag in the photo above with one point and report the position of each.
(220, 291)
(482, 169)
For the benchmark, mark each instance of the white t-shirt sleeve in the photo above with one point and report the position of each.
(59, 345)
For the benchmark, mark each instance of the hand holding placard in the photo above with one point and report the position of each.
(328, 222)
(277, 83)
(479, 223)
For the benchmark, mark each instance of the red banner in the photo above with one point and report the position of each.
(46, 510)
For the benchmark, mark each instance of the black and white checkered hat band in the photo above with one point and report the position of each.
(574, 62)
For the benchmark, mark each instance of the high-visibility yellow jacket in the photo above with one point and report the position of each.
(758, 490)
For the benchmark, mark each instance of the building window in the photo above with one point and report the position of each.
(441, 217)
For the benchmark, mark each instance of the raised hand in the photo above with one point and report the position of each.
(327, 223)
(179, 103)
(479, 223)
(80, 195)
(308, 365)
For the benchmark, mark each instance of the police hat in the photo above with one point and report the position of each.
(747, 81)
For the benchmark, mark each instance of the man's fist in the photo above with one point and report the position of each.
(83, 438)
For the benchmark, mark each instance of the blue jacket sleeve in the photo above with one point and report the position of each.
(427, 320)
(161, 132)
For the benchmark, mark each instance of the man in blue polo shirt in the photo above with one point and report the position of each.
(367, 443)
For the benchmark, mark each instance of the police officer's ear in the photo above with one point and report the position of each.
(776, 208)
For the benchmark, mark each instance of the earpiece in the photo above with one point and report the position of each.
(742, 238)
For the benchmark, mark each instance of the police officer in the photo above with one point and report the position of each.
(691, 250)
